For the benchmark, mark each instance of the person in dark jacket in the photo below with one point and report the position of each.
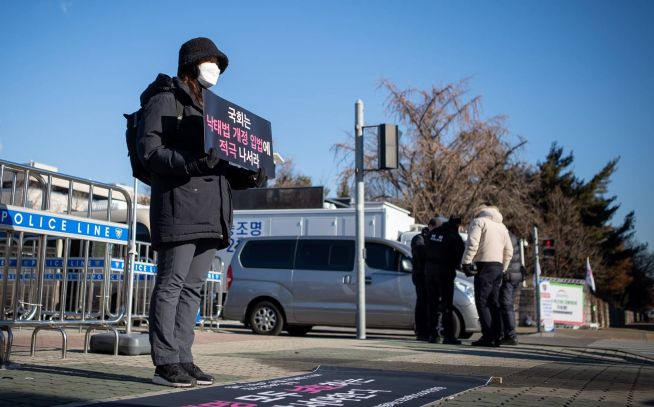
(444, 248)
(418, 278)
(510, 286)
(191, 208)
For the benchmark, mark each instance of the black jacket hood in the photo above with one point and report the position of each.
(164, 83)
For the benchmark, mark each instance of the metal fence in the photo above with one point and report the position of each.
(145, 270)
(57, 265)
(65, 265)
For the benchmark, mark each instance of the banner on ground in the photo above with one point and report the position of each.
(326, 387)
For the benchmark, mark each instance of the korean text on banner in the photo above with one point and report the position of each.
(238, 135)
(567, 303)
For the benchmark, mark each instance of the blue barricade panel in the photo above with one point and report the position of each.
(54, 224)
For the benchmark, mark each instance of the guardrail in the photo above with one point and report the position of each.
(65, 267)
(50, 258)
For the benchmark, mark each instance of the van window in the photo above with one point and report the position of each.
(382, 257)
(142, 233)
(270, 254)
(331, 255)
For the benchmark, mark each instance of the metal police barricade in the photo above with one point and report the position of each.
(58, 266)
(145, 270)
(213, 291)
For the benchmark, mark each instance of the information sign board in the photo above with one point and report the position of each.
(567, 303)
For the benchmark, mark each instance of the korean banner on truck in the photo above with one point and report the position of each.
(238, 135)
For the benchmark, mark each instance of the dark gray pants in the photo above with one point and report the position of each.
(421, 321)
(440, 291)
(181, 270)
(507, 295)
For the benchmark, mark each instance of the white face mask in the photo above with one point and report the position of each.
(209, 72)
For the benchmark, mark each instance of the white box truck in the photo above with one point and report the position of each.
(382, 219)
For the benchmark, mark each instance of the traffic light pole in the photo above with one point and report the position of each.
(360, 232)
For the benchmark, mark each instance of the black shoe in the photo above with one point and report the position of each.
(486, 343)
(202, 378)
(172, 375)
(509, 341)
(433, 339)
(451, 341)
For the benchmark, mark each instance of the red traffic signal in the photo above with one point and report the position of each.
(548, 248)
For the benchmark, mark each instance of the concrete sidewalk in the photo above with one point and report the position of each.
(571, 368)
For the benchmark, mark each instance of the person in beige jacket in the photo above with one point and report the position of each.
(489, 248)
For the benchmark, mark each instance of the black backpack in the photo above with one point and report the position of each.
(138, 169)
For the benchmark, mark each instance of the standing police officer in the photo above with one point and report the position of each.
(489, 246)
(418, 278)
(444, 250)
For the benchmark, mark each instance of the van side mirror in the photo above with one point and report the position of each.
(406, 265)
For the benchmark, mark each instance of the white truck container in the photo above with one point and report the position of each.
(382, 219)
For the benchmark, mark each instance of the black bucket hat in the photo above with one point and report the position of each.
(197, 49)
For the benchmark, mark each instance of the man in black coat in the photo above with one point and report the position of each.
(444, 248)
(418, 278)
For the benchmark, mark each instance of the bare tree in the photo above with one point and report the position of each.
(288, 177)
(450, 160)
(143, 199)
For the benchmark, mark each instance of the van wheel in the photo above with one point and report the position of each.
(459, 326)
(298, 330)
(266, 319)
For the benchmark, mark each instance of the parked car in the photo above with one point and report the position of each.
(294, 283)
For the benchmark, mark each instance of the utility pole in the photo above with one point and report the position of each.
(360, 246)
(523, 244)
(129, 271)
(537, 278)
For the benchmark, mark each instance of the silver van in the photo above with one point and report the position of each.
(294, 283)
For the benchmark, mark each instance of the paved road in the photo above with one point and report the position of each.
(568, 368)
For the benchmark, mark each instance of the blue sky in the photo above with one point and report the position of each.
(576, 72)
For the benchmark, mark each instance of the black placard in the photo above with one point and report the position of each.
(238, 135)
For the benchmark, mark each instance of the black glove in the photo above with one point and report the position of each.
(468, 270)
(259, 178)
(203, 165)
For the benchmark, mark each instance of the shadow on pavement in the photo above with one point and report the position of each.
(643, 326)
(575, 355)
(13, 398)
(91, 374)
